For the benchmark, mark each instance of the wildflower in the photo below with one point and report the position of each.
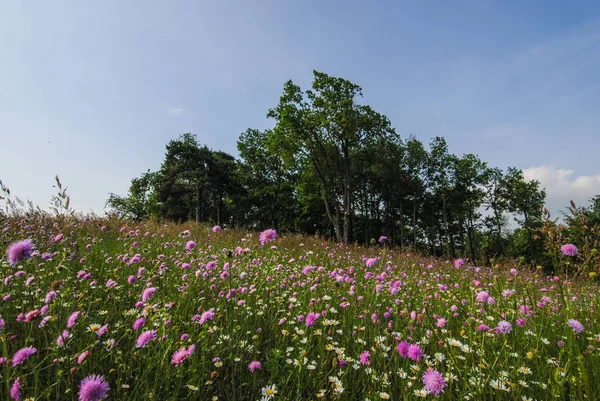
(148, 292)
(364, 358)
(216, 229)
(144, 338)
(370, 262)
(267, 236)
(93, 388)
(19, 251)
(72, 319)
(575, 325)
(433, 381)
(311, 318)
(22, 355)
(57, 238)
(384, 396)
(182, 354)
(138, 323)
(482, 296)
(254, 365)
(458, 263)
(82, 357)
(15, 390)
(402, 349)
(504, 327)
(569, 250)
(382, 239)
(415, 352)
(190, 245)
(269, 391)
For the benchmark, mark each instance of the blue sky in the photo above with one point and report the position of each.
(92, 91)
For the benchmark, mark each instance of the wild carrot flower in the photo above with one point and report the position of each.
(267, 236)
(569, 250)
(575, 325)
(254, 365)
(19, 251)
(22, 355)
(145, 338)
(93, 388)
(433, 381)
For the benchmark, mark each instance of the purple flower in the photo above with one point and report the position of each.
(19, 251)
(93, 388)
(182, 354)
(370, 262)
(569, 250)
(145, 338)
(216, 229)
(575, 325)
(267, 236)
(22, 355)
(148, 292)
(458, 263)
(190, 245)
(15, 390)
(311, 318)
(402, 349)
(57, 238)
(71, 320)
(138, 323)
(433, 381)
(364, 358)
(503, 327)
(254, 365)
(415, 352)
(383, 238)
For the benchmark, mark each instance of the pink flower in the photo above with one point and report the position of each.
(57, 238)
(402, 349)
(147, 294)
(190, 245)
(441, 322)
(311, 318)
(254, 365)
(19, 251)
(434, 382)
(569, 250)
(415, 352)
(93, 388)
(72, 319)
(182, 354)
(138, 323)
(216, 229)
(102, 330)
(364, 358)
(15, 390)
(575, 325)
(22, 355)
(458, 263)
(267, 236)
(82, 357)
(370, 262)
(145, 338)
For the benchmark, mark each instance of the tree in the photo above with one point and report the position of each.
(325, 128)
(141, 201)
(525, 198)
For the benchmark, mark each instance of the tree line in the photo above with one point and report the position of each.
(337, 168)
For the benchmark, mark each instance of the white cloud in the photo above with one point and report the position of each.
(174, 111)
(562, 186)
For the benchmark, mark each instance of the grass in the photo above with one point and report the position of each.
(261, 296)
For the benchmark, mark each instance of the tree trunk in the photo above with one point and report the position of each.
(197, 203)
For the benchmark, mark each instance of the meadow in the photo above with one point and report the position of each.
(113, 309)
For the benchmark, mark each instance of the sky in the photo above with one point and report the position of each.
(92, 91)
